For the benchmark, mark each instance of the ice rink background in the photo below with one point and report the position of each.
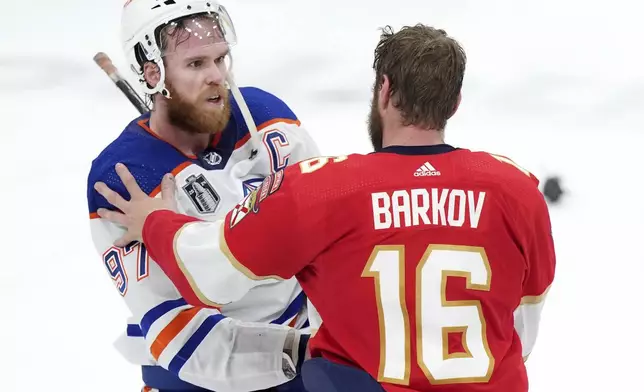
(557, 85)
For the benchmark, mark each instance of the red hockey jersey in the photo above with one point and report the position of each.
(428, 265)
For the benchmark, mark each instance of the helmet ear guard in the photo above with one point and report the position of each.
(141, 58)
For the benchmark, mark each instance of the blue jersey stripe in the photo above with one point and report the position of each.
(193, 342)
(292, 310)
(158, 311)
(134, 330)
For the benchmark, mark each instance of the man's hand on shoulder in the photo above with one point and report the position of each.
(134, 212)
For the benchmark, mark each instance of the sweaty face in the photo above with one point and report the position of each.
(375, 123)
(196, 69)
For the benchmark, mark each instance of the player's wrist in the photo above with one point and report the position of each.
(163, 221)
(154, 216)
(149, 222)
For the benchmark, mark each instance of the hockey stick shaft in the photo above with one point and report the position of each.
(103, 61)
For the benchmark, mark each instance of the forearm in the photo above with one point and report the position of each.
(190, 253)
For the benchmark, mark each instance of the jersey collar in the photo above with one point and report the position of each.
(419, 150)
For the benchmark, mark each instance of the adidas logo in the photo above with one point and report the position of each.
(426, 170)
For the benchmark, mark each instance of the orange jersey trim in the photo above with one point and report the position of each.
(241, 142)
(171, 331)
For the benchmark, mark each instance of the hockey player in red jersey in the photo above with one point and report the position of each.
(428, 264)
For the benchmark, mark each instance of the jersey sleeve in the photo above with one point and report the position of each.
(197, 343)
(286, 140)
(287, 143)
(272, 234)
(540, 272)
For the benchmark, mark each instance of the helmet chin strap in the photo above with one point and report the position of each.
(248, 118)
(243, 108)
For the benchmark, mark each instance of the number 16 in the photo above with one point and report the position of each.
(436, 317)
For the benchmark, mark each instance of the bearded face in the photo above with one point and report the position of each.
(204, 113)
(196, 62)
(375, 123)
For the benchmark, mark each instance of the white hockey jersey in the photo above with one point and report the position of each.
(219, 351)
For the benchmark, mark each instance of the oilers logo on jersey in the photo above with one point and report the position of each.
(202, 194)
(212, 158)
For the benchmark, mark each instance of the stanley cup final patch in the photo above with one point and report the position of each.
(202, 194)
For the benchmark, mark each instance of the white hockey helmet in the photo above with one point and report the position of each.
(141, 24)
(143, 20)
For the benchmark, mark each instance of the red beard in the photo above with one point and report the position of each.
(192, 117)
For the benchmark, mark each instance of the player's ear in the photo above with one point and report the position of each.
(384, 95)
(151, 73)
(458, 103)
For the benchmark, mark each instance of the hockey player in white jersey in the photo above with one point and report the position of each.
(219, 141)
